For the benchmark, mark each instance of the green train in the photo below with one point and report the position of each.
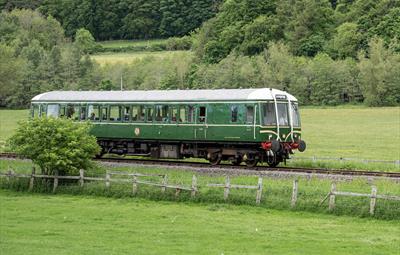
(237, 125)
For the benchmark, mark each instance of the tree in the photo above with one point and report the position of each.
(85, 41)
(380, 74)
(55, 144)
(346, 41)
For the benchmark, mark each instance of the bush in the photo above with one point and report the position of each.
(175, 43)
(55, 144)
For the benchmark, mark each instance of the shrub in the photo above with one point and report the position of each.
(55, 144)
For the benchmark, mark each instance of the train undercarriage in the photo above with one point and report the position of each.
(251, 154)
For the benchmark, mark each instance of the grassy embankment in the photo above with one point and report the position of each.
(133, 50)
(81, 225)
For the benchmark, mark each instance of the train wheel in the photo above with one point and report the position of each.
(251, 162)
(273, 164)
(236, 162)
(215, 159)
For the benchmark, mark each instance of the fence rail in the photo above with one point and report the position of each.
(373, 195)
(162, 183)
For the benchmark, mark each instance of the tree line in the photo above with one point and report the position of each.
(123, 19)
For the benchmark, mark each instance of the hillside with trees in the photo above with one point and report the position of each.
(324, 52)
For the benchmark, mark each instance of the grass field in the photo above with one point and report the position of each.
(127, 43)
(62, 224)
(129, 57)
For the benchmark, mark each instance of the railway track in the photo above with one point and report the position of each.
(229, 167)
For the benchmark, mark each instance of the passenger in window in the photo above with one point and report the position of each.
(93, 116)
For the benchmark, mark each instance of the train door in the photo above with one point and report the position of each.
(200, 132)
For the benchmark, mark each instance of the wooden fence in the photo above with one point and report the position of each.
(373, 195)
(134, 179)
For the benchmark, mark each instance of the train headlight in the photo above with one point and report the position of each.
(283, 136)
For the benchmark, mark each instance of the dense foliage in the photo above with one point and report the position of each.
(337, 27)
(55, 144)
(124, 19)
(36, 57)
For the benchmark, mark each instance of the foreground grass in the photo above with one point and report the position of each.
(62, 224)
(129, 57)
(276, 192)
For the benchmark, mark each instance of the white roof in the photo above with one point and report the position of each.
(162, 95)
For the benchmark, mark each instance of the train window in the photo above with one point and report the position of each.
(174, 114)
(249, 114)
(283, 116)
(42, 110)
(161, 113)
(190, 114)
(35, 110)
(104, 113)
(182, 114)
(149, 114)
(115, 113)
(92, 112)
(72, 112)
(202, 114)
(137, 113)
(269, 117)
(63, 110)
(234, 113)
(126, 113)
(83, 113)
(295, 115)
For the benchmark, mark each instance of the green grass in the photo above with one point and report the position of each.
(276, 192)
(128, 43)
(8, 123)
(361, 132)
(66, 224)
(129, 57)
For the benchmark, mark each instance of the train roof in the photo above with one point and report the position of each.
(258, 94)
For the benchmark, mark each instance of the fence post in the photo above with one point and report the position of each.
(294, 193)
(31, 181)
(55, 185)
(227, 187)
(259, 190)
(81, 176)
(374, 190)
(332, 196)
(164, 184)
(194, 186)
(177, 191)
(134, 185)
(108, 177)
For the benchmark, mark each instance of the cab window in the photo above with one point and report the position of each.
(283, 115)
(269, 117)
(295, 115)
